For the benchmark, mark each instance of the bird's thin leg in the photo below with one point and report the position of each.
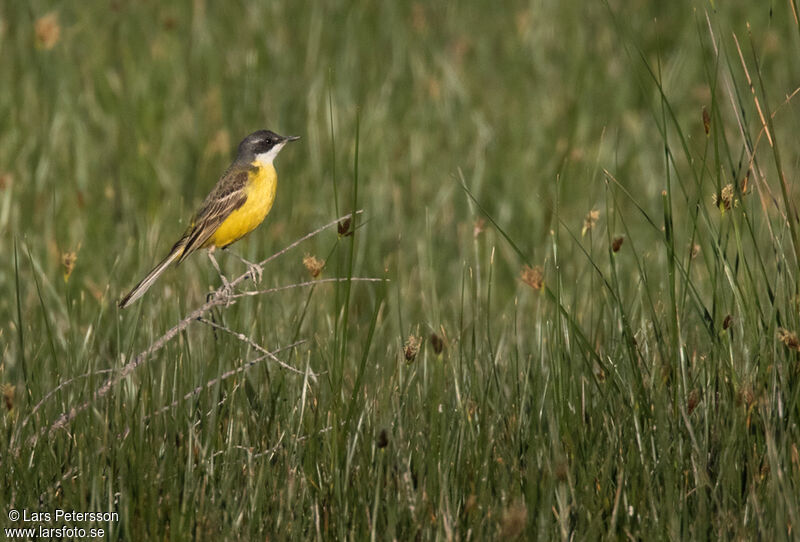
(225, 282)
(254, 269)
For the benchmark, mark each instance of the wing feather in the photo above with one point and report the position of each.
(229, 194)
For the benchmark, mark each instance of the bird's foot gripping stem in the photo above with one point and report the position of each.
(253, 269)
(256, 272)
(227, 290)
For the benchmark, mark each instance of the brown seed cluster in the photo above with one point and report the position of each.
(383, 439)
(6, 179)
(789, 339)
(600, 373)
(8, 396)
(590, 220)
(693, 400)
(68, 260)
(706, 120)
(170, 22)
(437, 343)
(434, 88)
(726, 323)
(344, 227)
(48, 31)
(747, 395)
(533, 276)
(313, 265)
(616, 244)
(725, 199)
(479, 227)
(419, 20)
(411, 348)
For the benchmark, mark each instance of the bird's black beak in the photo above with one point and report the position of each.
(291, 138)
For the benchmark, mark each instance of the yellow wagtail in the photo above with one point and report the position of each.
(238, 203)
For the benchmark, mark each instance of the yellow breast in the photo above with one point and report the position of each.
(262, 183)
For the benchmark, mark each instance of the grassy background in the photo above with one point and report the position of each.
(650, 392)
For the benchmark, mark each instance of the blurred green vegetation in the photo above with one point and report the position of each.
(651, 392)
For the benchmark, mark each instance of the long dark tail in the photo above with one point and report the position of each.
(139, 290)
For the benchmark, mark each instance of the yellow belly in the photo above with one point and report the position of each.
(261, 186)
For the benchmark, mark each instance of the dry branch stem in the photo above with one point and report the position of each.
(251, 293)
(224, 376)
(264, 262)
(244, 338)
(219, 297)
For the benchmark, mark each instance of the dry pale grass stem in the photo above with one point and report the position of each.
(533, 276)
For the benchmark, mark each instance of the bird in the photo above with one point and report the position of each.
(240, 201)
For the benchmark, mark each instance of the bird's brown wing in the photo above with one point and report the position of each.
(229, 194)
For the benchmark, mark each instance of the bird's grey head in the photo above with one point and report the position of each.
(262, 146)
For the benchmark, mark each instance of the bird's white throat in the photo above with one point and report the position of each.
(266, 158)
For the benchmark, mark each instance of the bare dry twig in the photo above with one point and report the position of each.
(48, 395)
(224, 376)
(250, 293)
(220, 297)
(283, 251)
(244, 338)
